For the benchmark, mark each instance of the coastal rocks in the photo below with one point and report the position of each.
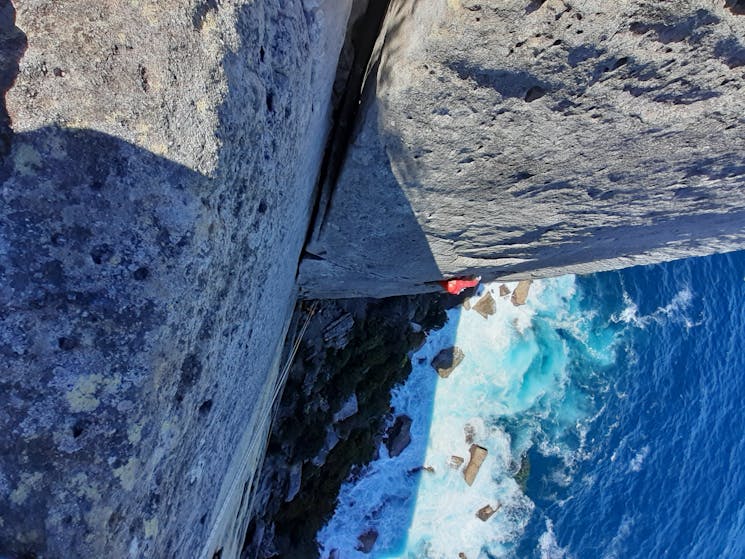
(486, 512)
(447, 360)
(367, 540)
(156, 193)
(455, 462)
(486, 306)
(336, 334)
(504, 290)
(374, 359)
(586, 138)
(478, 455)
(520, 295)
(398, 436)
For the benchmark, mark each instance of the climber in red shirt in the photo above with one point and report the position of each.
(455, 286)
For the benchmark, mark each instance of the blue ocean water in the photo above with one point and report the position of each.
(623, 391)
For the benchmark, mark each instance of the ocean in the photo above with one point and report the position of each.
(611, 407)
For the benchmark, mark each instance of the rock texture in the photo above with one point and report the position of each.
(517, 138)
(447, 360)
(478, 455)
(155, 196)
(340, 389)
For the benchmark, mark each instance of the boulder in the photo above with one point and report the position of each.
(478, 455)
(520, 295)
(367, 540)
(486, 306)
(398, 435)
(447, 360)
(504, 290)
(486, 512)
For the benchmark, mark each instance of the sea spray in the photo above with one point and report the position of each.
(526, 382)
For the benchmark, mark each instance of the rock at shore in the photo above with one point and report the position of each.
(367, 540)
(486, 306)
(478, 455)
(485, 513)
(398, 436)
(520, 295)
(447, 360)
(504, 290)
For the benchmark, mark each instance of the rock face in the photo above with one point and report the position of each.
(517, 139)
(155, 196)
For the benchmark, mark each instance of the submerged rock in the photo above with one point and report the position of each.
(455, 462)
(398, 436)
(478, 455)
(447, 360)
(367, 540)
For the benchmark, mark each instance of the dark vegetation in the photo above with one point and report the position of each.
(322, 379)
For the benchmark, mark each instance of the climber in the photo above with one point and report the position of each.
(456, 286)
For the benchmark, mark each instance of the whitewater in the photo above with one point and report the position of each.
(611, 409)
(515, 388)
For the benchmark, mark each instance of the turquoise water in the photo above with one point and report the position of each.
(624, 391)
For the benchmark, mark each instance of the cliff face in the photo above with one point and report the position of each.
(156, 189)
(515, 139)
(157, 179)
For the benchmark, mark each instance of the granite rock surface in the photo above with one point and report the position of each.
(158, 166)
(516, 139)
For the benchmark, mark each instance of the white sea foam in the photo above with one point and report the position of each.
(675, 310)
(516, 369)
(548, 545)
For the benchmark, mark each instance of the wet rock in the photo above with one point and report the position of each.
(504, 290)
(398, 436)
(367, 540)
(470, 433)
(447, 360)
(486, 512)
(455, 462)
(520, 295)
(478, 455)
(486, 306)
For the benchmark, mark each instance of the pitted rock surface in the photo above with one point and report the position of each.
(155, 192)
(516, 139)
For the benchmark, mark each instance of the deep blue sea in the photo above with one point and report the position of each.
(623, 391)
